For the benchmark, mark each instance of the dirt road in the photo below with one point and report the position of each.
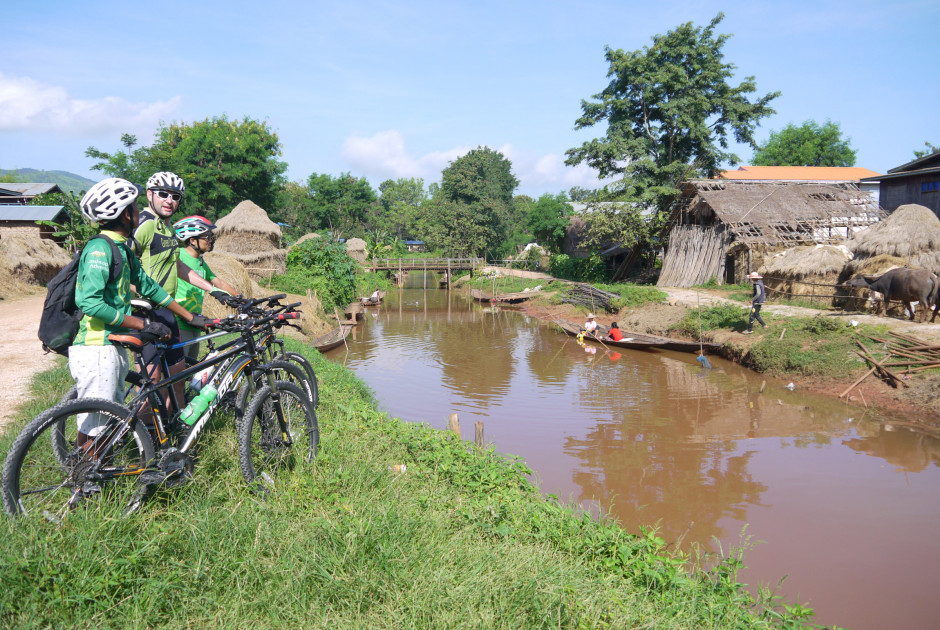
(20, 352)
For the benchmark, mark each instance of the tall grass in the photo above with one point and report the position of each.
(460, 539)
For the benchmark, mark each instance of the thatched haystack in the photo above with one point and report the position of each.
(306, 237)
(248, 235)
(31, 259)
(796, 270)
(912, 233)
(356, 247)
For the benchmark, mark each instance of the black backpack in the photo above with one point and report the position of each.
(60, 315)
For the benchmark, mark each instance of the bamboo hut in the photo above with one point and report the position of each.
(31, 259)
(722, 229)
(254, 240)
(806, 271)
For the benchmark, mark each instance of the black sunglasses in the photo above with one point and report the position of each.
(163, 194)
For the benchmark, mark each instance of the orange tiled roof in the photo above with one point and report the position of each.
(800, 173)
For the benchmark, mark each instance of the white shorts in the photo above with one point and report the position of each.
(99, 372)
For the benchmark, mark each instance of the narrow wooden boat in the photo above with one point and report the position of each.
(505, 298)
(372, 301)
(480, 296)
(635, 340)
(331, 339)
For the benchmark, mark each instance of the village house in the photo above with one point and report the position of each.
(917, 182)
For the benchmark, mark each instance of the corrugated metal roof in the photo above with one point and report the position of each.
(901, 174)
(13, 212)
(31, 190)
(799, 173)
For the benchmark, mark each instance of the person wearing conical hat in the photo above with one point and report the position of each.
(757, 301)
(590, 326)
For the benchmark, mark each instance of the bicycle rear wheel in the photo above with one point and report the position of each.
(264, 450)
(313, 390)
(36, 482)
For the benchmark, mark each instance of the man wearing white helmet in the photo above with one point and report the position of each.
(159, 255)
(98, 366)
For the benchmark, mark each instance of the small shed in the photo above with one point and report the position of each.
(917, 182)
(18, 219)
(24, 192)
(723, 229)
(254, 240)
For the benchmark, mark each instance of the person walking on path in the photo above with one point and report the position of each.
(757, 301)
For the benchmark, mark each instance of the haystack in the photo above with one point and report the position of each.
(249, 236)
(912, 233)
(32, 259)
(356, 247)
(797, 270)
(306, 237)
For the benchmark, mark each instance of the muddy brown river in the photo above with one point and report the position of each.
(844, 505)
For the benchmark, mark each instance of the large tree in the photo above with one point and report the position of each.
(481, 185)
(223, 162)
(548, 220)
(343, 204)
(670, 112)
(401, 204)
(810, 144)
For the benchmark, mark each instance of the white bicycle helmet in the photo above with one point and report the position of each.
(165, 180)
(192, 227)
(106, 200)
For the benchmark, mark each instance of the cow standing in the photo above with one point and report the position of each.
(904, 285)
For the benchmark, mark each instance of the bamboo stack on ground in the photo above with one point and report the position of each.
(695, 255)
(591, 298)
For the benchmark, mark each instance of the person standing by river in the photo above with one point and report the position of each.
(757, 301)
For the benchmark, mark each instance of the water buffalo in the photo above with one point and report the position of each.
(905, 285)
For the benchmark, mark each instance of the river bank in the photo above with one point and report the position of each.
(915, 404)
(456, 537)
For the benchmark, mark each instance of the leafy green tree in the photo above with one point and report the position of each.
(548, 220)
(401, 202)
(223, 162)
(578, 194)
(929, 149)
(294, 209)
(342, 204)
(810, 144)
(670, 114)
(451, 228)
(324, 266)
(480, 185)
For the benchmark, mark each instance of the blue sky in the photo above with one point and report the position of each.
(400, 89)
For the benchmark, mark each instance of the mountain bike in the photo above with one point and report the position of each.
(278, 430)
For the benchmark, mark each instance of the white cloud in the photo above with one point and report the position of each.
(383, 156)
(28, 105)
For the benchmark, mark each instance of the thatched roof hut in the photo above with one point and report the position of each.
(718, 227)
(798, 271)
(32, 259)
(911, 233)
(356, 247)
(249, 236)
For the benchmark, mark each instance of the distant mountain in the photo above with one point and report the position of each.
(67, 181)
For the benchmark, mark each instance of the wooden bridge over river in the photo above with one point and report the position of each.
(400, 265)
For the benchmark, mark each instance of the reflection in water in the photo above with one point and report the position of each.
(652, 437)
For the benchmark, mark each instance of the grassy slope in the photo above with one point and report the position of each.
(460, 539)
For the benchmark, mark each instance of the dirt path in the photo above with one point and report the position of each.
(20, 352)
(690, 298)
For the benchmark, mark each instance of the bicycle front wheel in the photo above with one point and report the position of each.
(283, 371)
(266, 447)
(46, 473)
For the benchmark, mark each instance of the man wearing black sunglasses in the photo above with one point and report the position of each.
(158, 249)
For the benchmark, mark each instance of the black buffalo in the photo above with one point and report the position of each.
(904, 285)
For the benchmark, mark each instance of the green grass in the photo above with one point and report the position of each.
(512, 284)
(460, 539)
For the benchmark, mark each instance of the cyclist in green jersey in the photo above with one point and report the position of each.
(195, 234)
(98, 366)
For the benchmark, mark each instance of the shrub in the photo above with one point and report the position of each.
(590, 269)
(322, 266)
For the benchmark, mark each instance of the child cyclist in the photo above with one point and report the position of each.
(195, 234)
(98, 366)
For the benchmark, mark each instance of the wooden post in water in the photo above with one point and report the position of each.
(425, 274)
(478, 433)
(453, 424)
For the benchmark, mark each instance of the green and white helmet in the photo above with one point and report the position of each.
(165, 180)
(192, 227)
(106, 200)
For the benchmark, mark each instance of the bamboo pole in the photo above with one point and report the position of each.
(853, 385)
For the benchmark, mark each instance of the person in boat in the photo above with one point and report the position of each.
(590, 326)
(615, 334)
